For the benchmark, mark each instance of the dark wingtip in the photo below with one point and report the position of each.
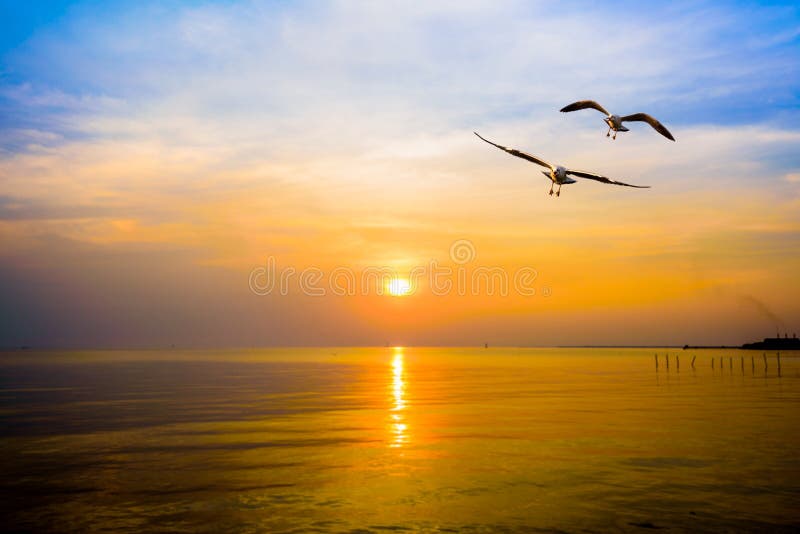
(666, 133)
(483, 138)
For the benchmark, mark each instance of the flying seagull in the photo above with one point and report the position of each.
(615, 121)
(558, 174)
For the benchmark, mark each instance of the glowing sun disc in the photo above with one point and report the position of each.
(397, 287)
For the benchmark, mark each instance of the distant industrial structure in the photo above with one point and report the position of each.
(775, 343)
(769, 343)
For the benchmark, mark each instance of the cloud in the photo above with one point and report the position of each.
(243, 64)
(340, 132)
(26, 209)
(344, 78)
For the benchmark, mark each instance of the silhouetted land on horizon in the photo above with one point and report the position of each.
(769, 343)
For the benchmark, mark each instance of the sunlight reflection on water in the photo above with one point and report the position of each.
(399, 427)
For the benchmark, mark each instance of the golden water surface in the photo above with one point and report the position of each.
(396, 439)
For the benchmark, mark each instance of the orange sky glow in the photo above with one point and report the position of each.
(142, 224)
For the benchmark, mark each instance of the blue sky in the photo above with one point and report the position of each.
(709, 62)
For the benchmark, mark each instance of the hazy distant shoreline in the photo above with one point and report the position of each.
(277, 347)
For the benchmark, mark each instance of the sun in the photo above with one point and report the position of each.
(398, 287)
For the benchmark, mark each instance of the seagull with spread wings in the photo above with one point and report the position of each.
(558, 174)
(615, 121)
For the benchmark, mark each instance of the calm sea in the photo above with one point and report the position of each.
(400, 439)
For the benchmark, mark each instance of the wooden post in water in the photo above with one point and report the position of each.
(779, 365)
(765, 362)
(753, 364)
(712, 363)
(743, 365)
(730, 364)
(656, 355)
(693, 358)
(668, 361)
(678, 363)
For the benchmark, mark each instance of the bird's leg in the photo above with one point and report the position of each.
(608, 133)
(558, 193)
(615, 135)
(551, 188)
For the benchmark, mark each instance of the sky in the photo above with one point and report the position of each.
(157, 157)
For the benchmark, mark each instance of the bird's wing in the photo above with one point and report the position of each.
(584, 104)
(599, 178)
(644, 117)
(519, 154)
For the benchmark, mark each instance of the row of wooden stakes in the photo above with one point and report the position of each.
(721, 362)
